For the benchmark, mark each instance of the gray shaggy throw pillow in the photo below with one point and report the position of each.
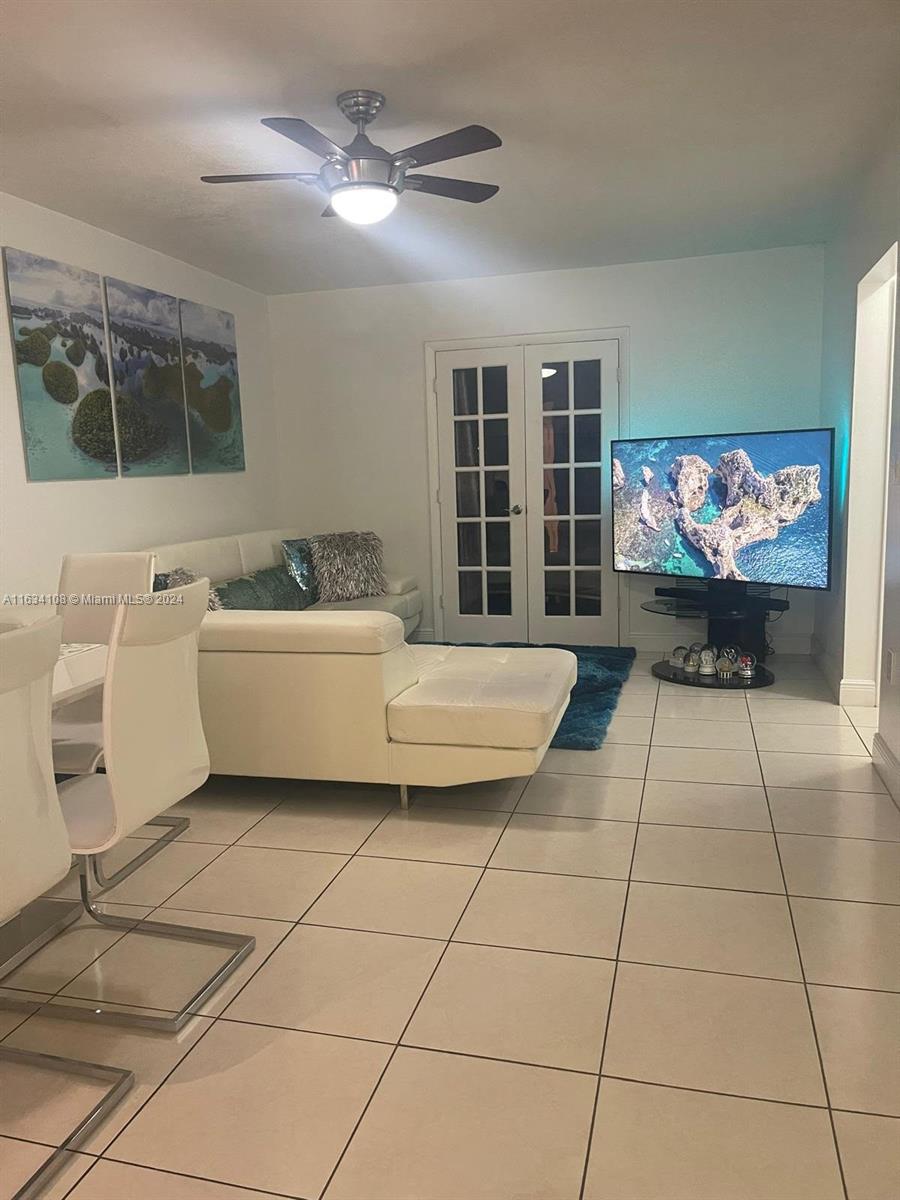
(347, 565)
(180, 577)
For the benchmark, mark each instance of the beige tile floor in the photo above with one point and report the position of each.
(665, 970)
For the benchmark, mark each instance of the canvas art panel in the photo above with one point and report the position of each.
(59, 343)
(212, 387)
(147, 380)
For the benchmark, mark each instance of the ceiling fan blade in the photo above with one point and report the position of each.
(301, 178)
(468, 140)
(304, 135)
(328, 212)
(456, 189)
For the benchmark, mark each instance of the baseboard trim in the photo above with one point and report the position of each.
(422, 635)
(828, 665)
(862, 693)
(887, 765)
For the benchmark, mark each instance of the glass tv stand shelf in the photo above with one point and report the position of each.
(734, 617)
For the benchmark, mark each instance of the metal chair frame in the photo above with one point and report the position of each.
(120, 1083)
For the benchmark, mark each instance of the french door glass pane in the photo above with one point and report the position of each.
(496, 443)
(555, 385)
(556, 439)
(556, 593)
(587, 543)
(496, 493)
(497, 543)
(556, 492)
(493, 389)
(587, 438)
(587, 383)
(587, 593)
(468, 542)
(470, 593)
(468, 503)
(587, 490)
(465, 391)
(556, 543)
(499, 593)
(466, 435)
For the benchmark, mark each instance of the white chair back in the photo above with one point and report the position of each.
(34, 845)
(153, 743)
(107, 575)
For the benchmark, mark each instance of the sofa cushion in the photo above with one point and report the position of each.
(405, 606)
(216, 558)
(306, 632)
(263, 548)
(396, 585)
(483, 696)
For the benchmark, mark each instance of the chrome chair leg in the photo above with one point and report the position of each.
(404, 795)
(240, 944)
(120, 1082)
(175, 826)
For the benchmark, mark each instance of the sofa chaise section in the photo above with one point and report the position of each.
(340, 695)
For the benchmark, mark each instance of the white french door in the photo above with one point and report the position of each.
(481, 435)
(571, 415)
(524, 492)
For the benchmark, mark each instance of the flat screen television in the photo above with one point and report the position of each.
(739, 506)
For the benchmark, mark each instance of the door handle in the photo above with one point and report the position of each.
(516, 509)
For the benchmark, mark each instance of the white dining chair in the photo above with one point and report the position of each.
(86, 582)
(155, 754)
(78, 726)
(35, 855)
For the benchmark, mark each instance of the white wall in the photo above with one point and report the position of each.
(886, 750)
(718, 344)
(868, 229)
(39, 522)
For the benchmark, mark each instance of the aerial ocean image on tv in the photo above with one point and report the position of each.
(752, 507)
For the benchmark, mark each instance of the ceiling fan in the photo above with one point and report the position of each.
(362, 180)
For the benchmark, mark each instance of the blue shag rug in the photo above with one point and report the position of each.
(601, 672)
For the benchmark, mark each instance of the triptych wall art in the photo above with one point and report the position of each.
(119, 379)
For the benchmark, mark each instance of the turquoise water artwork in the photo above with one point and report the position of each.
(56, 318)
(212, 387)
(752, 506)
(147, 380)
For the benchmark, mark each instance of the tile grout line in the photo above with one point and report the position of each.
(211, 1020)
(615, 974)
(809, 1007)
(684, 1087)
(152, 909)
(392, 1055)
(637, 962)
(484, 868)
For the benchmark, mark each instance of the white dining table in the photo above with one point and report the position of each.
(79, 669)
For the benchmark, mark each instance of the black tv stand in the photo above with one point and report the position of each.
(734, 614)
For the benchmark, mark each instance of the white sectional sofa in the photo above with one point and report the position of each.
(222, 558)
(341, 695)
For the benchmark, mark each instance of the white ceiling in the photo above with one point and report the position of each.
(632, 129)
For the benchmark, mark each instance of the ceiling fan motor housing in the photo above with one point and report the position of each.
(360, 105)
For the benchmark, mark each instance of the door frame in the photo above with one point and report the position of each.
(621, 333)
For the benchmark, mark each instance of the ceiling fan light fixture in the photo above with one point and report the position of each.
(364, 203)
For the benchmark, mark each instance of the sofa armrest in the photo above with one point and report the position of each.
(301, 632)
(399, 585)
